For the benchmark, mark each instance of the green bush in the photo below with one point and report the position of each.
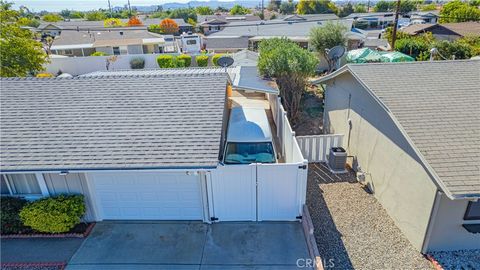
(202, 60)
(166, 61)
(215, 59)
(137, 63)
(184, 60)
(9, 210)
(98, 54)
(54, 214)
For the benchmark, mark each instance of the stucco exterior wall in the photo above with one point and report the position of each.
(447, 232)
(393, 171)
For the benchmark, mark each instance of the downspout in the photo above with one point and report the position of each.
(431, 222)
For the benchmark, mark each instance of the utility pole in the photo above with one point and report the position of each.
(129, 9)
(395, 25)
(110, 8)
(368, 6)
(263, 11)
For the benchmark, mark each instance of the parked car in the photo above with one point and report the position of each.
(249, 138)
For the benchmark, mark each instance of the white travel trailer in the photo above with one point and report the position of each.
(249, 138)
(190, 43)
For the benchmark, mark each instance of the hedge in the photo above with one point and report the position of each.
(137, 63)
(184, 60)
(215, 59)
(202, 60)
(98, 54)
(166, 61)
(54, 214)
(10, 220)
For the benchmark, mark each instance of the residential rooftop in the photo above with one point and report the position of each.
(275, 28)
(436, 104)
(112, 122)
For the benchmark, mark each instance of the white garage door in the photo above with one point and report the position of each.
(147, 195)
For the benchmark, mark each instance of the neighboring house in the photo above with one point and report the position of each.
(146, 145)
(245, 58)
(419, 17)
(55, 28)
(412, 130)
(295, 31)
(372, 20)
(114, 42)
(226, 44)
(446, 31)
(213, 23)
(376, 44)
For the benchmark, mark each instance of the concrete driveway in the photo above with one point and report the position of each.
(192, 245)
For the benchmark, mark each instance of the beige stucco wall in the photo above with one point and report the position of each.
(447, 232)
(394, 174)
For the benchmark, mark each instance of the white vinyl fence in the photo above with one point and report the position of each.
(257, 192)
(315, 148)
(82, 65)
(289, 145)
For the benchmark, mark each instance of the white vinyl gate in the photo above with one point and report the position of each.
(258, 192)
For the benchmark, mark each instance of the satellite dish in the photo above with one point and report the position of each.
(336, 52)
(225, 61)
(333, 55)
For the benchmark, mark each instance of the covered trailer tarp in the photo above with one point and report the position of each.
(396, 57)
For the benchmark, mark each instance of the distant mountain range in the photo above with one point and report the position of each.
(212, 4)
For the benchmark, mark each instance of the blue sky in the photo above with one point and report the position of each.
(57, 5)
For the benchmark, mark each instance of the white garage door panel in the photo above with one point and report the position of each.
(148, 195)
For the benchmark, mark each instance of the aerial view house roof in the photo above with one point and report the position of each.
(113, 122)
(226, 43)
(435, 104)
(242, 77)
(462, 29)
(274, 28)
(74, 39)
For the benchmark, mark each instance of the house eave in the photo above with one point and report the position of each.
(423, 160)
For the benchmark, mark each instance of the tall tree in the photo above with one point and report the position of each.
(315, 7)
(168, 26)
(204, 10)
(290, 66)
(20, 54)
(346, 10)
(458, 11)
(327, 36)
(52, 17)
(239, 10)
(287, 7)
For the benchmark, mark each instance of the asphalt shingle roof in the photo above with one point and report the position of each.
(112, 122)
(438, 105)
(274, 28)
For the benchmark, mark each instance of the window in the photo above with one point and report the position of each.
(191, 42)
(67, 52)
(116, 50)
(473, 211)
(246, 153)
(20, 184)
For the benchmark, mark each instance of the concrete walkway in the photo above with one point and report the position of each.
(192, 245)
(39, 249)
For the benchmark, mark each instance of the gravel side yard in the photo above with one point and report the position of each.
(463, 259)
(352, 229)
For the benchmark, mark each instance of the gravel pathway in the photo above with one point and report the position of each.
(463, 259)
(352, 229)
